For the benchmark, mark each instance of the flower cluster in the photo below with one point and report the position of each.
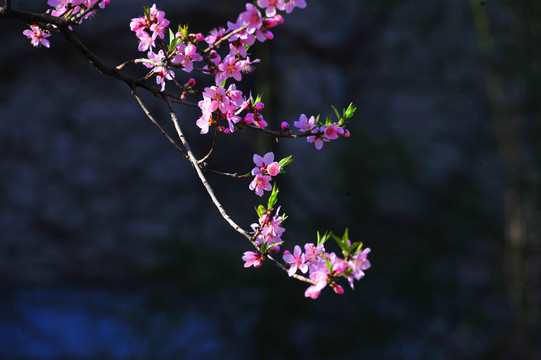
(224, 103)
(229, 104)
(269, 230)
(325, 268)
(254, 116)
(321, 133)
(159, 68)
(69, 8)
(149, 27)
(65, 9)
(265, 169)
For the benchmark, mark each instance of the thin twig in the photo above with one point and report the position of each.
(212, 148)
(62, 24)
(137, 61)
(149, 115)
(205, 167)
(216, 202)
(31, 18)
(75, 19)
(226, 37)
(279, 134)
(201, 176)
(296, 276)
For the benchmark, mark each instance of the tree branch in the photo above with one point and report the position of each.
(212, 148)
(31, 18)
(201, 176)
(217, 203)
(62, 25)
(149, 115)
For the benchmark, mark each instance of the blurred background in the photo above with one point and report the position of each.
(110, 248)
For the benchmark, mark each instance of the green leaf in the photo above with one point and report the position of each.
(343, 244)
(257, 99)
(328, 121)
(273, 198)
(173, 41)
(323, 239)
(348, 113)
(329, 265)
(273, 245)
(184, 30)
(260, 210)
(357, 246)
(285, 161)
(337, 113)
(345, 237)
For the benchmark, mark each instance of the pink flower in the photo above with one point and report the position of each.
(251, 258)
(290, 5)
(339, 266)
(296, 261)
(162, 72)
(37, 36)
(271, 228)
(234, 95)
(331, 132)
(229, 67)
(263, 33)
(314, 290)
(273, 169)
(271, 6)
(158, 22)
(218, 96)
(207, 107)
(187, 53)
(265, 165)
(318, 138)
(312, 252)
(305, 124)
(138, 24)
(145, 41)
(251, 17)
(239, 41)
(359, 263)
(232, 119)
(261, 183)
(215, 35)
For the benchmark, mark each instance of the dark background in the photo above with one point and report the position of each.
(110, 248)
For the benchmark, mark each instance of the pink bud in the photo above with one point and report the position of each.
(259, 106)
(337, 288)
(273, 21)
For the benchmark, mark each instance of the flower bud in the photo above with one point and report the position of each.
(337, 288)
